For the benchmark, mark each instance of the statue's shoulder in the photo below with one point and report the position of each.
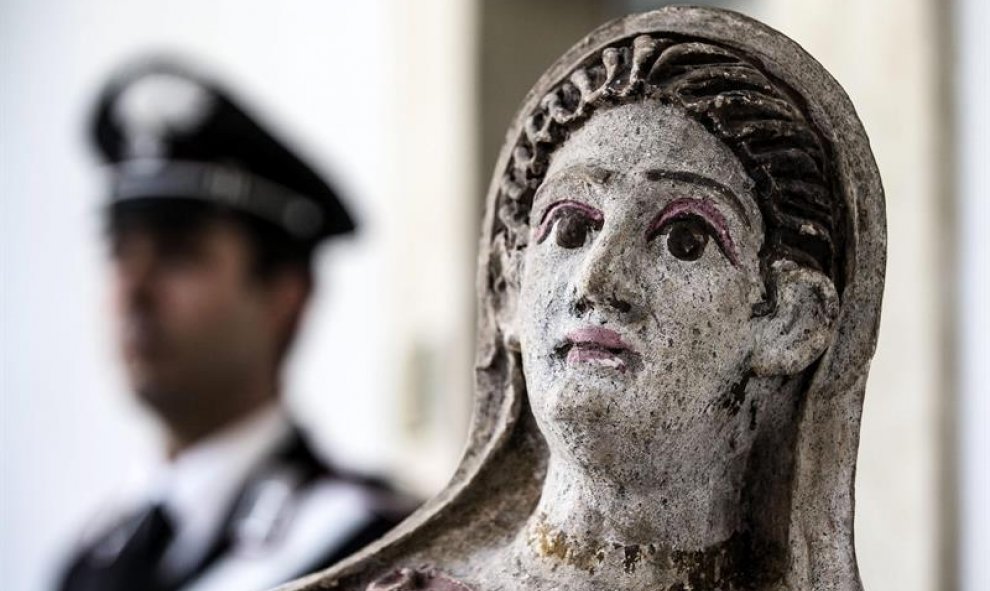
(417, 579)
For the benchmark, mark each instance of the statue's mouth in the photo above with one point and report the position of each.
(595, 345)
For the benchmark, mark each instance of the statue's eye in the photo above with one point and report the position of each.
(572, 228)
(687, 225)
(687, 238)
(569, 223)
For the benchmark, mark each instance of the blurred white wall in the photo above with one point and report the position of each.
(330, 78)
(972, 304)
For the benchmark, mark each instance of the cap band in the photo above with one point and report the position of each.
(234, 187)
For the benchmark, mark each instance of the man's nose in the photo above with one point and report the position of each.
(606, 280)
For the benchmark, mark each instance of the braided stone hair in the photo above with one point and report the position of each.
(759, 118)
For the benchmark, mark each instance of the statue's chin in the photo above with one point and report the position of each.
(575, 405)
(593, 454)
(587, 428)
(583, 439)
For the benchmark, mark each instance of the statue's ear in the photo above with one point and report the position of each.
(507, 312)
(799, 328)
(510, 338)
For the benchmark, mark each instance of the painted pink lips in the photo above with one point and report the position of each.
(597, 346)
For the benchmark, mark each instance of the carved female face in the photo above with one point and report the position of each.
(637, 291)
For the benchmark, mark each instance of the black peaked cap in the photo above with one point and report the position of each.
(170, 134)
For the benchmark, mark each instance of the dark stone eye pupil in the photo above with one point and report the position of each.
(572, 230)
(686, 240)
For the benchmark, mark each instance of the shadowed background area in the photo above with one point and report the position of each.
(404, 106)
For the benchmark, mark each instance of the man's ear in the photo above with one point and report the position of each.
(799, 328)
(288, 292)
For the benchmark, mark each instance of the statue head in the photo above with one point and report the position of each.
(681, 261)
(680, 274)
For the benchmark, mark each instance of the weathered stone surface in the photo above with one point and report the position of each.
(680, 280)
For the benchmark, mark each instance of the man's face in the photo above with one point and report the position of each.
(193, 322)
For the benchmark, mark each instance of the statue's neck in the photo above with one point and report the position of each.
(629, 538)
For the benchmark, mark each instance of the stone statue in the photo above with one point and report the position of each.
(680, 279)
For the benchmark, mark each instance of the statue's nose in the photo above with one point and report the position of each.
(605, 280)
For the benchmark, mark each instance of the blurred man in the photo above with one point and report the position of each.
(212, 225)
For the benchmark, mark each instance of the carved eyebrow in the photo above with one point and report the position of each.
(703, 208)
(694, 178)
(546, 220)
(595, 175)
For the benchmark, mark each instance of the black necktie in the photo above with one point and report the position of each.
(126, 559)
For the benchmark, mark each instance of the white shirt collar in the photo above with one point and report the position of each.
(199, 486)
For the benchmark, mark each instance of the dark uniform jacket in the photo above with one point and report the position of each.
(293, 515)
